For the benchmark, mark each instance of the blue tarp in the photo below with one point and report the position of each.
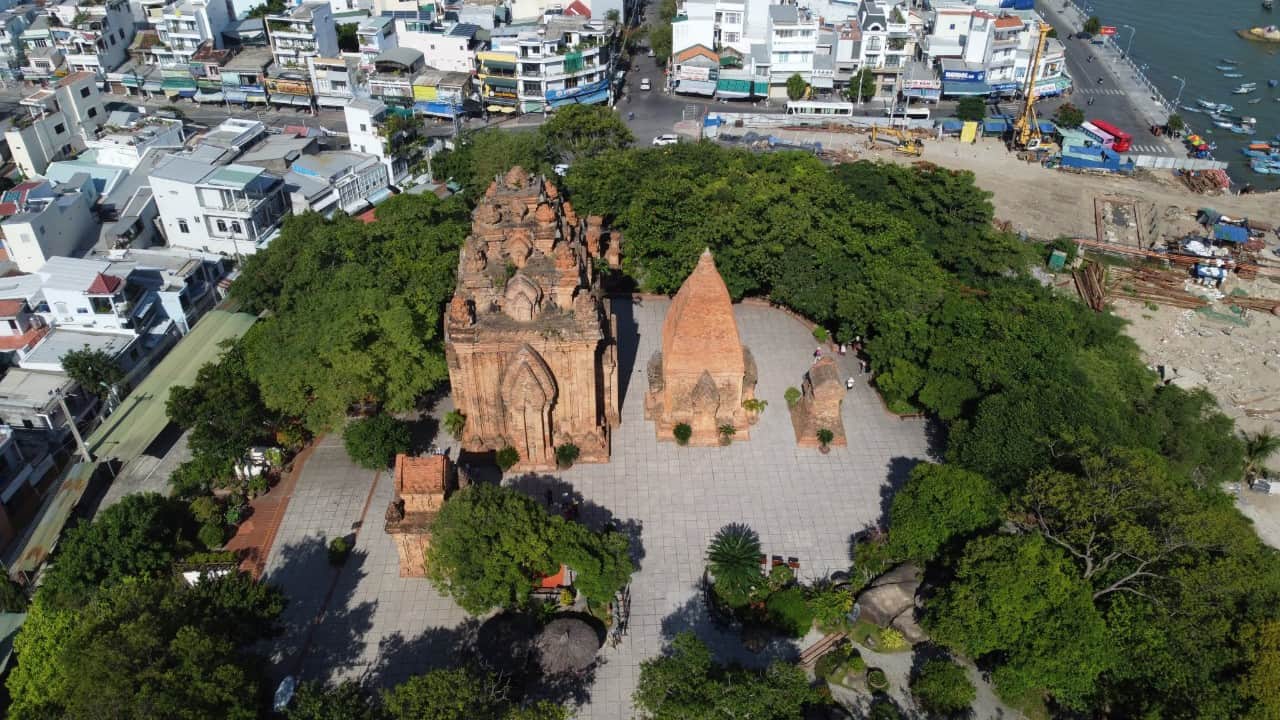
(995, 125)
(1047, 127)
(952, 125)
(1230, 233)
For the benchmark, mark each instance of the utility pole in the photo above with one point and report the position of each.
(71, 423)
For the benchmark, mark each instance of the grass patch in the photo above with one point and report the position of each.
(1030, 704)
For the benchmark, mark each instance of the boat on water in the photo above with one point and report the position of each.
(1241, 129)
(1191, 108)
(1273, 83)
(1232, 75)
(1243, 90)
(1207, 104)
(1268, 4)
(1229, 61)
(1255, 101)
(1224, 124)
(1226, 68)
(1263, 167)
(1270, 33)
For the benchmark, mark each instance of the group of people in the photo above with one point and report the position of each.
(843, 348)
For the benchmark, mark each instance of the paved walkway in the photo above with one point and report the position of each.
(383, 627)
(256, 535)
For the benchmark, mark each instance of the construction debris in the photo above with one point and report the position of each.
(1091, 284)
(1152, 285)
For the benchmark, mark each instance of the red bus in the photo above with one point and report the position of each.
(1123, 140)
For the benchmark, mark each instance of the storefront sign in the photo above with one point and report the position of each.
(964, 75)
(688, 72)
(1107, 30)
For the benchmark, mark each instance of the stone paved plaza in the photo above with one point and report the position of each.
(804, 504)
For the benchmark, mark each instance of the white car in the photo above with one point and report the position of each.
(644, 84)
(651, 53)
(666, 140)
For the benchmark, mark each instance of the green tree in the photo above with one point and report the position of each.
(686, 683)
(1261, 683)
(937, 505)
(356, 309)
(796, 87)
(491, 152)
(734, 561)
(348, 40)
(374, 442)
(1092, 25)
(487, 545)
(971, 109)
(223, 410)
(13, 598)
(579, 131)
(95, 371)
(601, 561)
(1020, 599)
(139, 536)
(1258, 449)
(942, 687)
(660, 41)
(1068, 115)
(1174, 123)
(345, 701)
(453, 694)
(271, 7)
(454, 423)
(862, 86)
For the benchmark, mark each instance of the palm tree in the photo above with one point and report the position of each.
(734, 561)
(1258, 448)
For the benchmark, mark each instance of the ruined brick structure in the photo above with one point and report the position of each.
(819, 406)
(530, 339)
(703, 373)
(422, 484)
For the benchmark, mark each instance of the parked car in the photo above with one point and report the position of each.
(651, 53)
(666, 140)
(644, 84)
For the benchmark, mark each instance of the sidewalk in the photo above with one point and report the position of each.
(255, 536)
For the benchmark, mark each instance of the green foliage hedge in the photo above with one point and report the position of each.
(374, 442)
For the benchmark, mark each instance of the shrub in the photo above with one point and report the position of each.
(213, 557)
(567, 455)
(755, 405)
(825, 437)
(789, 612)
(727, 432)
(820, 334)
(507, 457)
(211, 535)
(780, 577)
(828, 664)
(258, 485)
(792, 396)
(454, 423)
(882, 708)
(830, 606)
(566, 598)
(877, 680)
(339, 548)
(734, 560)
(682, 433)
(871, 558)
(205, 509)
(374, 442)
(943, 687)
(891, 640)
(198, 476)
(234, 511)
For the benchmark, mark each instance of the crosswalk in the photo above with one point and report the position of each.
(1149, 149)
(1100, 91)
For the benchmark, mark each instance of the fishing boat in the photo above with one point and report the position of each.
(1232, 75)
(1255, 101)
(1273, 83)
(1249, 85)
(1226, 68)
(1229, 61)
(1270, 33)
(1207, 104)
(1224, 124)
(1263, 167)
(1243, 90)
(1191, 108)
(1241, 129)
(1268, 4)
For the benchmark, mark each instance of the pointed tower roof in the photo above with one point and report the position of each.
(700, 333)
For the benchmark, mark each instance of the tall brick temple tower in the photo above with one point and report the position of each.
(530, 339)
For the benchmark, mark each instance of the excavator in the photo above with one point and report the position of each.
(903, 143)
(1026, 129)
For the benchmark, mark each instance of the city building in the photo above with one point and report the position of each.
(695, 71)
(561, 61)
(792, 35)
(42, 57)
(889, 39)
(304, 31)
(206, 70)
(54, 123)
(244, 76)
(93, 37)
(22, 472)
(12, 54)
(45, 222)
(334, 79)
(391, 81)
(126, 136)
(357, 180)
(452, 49)
(375, 36)
(229, 210)
(184, 26)
(289, 86)
(441, 94)
(387, 133)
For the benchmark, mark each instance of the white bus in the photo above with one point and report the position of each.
(809, 109)
(913, 113)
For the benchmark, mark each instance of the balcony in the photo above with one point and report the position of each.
(1004, 42)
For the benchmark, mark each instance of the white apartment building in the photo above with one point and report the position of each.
(184, 25)
(49, 222)
(793, 41)
(93, 37)
(375, 36)
(304, 31)
(370, 133)
(451, 49)
(334, 79)
(54, 123)
(889, 35)
(357, 180)
(562, 61)
(126, 137)
(229, 210)
(694, 24)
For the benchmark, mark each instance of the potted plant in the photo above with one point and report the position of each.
(566, 455)
(877, 680)
(825, 437)
(682, 433)
(339, 549)
(454, 423)
(727, 432)
(754, 406)
(792, 396)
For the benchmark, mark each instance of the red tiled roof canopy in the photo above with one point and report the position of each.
(104, 285)
(420, 475)
(576, 8)
(1008, 21)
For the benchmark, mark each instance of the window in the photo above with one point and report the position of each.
(13, 325)
(731, 37)
(59, 128)
(84, 92)
(235, 228)
(364, 128)
(182, 226)
(93, 112)
(222, 226)
(952, 26)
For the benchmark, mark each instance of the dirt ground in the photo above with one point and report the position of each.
(1049, 203)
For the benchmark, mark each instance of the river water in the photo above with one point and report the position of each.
(1189, 38)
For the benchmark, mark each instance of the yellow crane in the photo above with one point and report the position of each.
(1026, 129)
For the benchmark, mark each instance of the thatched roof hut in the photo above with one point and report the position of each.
(567, 645)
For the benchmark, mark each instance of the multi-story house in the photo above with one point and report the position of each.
(452, 48)
(206, 70)
(127, 136)
(12, 22)
(334, 79)
(304, 31)
(889, 37)
(185, 26)
(244, 77)
(391, 81)
(93, 37)
(391, 134)
(290, 86)
(695, 71)
(793, 42)
(496, 73)
(562, 61)
(43, 58)
(357, 180)
(45, 222)
(229, 210)
(441, 94)
(375, 36)
(54, 123)
(22, 486)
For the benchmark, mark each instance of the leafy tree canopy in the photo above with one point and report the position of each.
(581, 131)
(938, 504)
(374, 442)
(971, 109)
(223, 409)
(943, 687)
(95, 371)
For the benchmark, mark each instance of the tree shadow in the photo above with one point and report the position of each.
(423, 433)
(624, 310)
(323, 631)
(936, 435)
(400, 657)
(560, 497)
(899, 470)
(724, 639)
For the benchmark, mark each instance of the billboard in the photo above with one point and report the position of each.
(964, 75)
(693, 72)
